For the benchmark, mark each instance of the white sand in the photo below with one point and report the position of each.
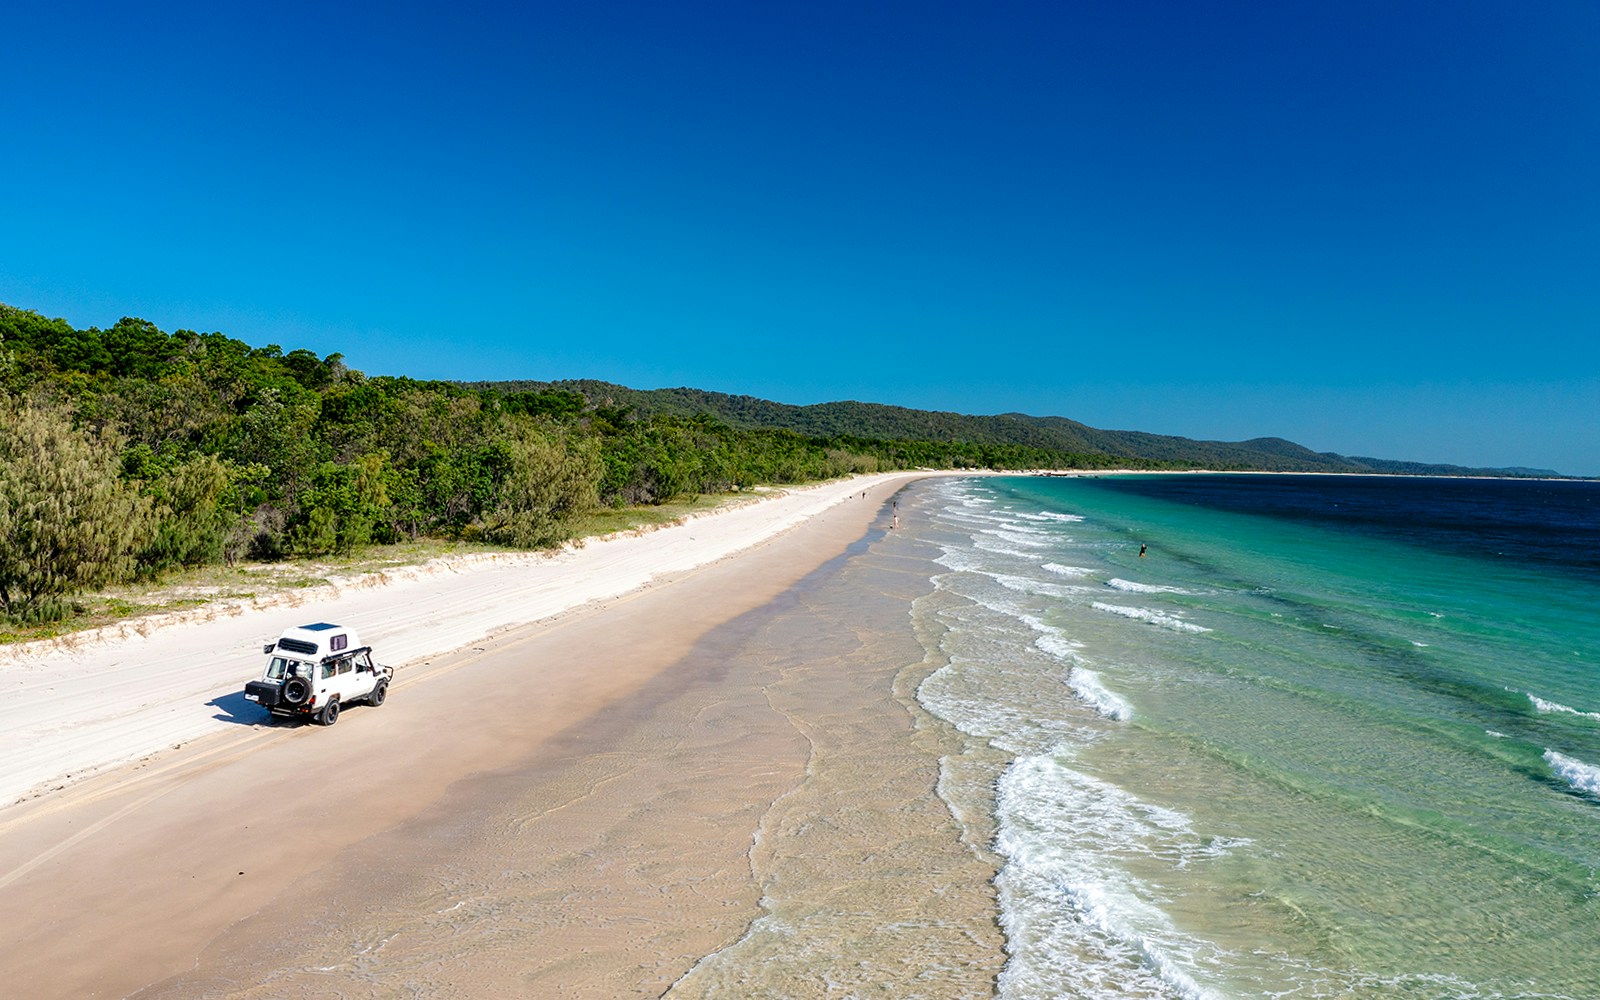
(68, 709)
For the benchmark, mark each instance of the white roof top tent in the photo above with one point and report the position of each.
(317, 641)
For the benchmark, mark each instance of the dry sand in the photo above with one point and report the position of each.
(606, 768)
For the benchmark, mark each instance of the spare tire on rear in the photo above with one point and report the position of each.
(296, 691)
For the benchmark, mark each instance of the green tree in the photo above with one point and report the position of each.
(277, 432)
(344, 505)
(551, 481)
(136, 347)
(248, 522)
(67, 521)
(30, 334)
(460, 486)
(191, 527)
(319, 533)
(79, 350)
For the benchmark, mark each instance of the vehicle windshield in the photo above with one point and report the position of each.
(278, 668)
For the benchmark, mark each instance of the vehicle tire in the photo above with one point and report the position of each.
(330, 714)
(296, 691)
(379, 694)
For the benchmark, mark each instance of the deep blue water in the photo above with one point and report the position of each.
(1552, 522)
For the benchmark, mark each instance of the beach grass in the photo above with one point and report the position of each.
(615, 520)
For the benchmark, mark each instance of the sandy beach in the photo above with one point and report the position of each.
(611, 772)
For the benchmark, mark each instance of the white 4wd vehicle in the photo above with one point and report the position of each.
(313, 669)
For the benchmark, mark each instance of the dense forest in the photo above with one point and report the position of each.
(129, 451)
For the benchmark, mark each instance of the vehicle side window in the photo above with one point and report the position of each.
(344, 666)
(327, 670)
(364, 662)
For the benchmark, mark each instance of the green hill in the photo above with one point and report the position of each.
(1075, 442)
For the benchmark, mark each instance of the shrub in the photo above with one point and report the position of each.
(67, 521)
(551, 481)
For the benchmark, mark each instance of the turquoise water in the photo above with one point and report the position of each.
(1272, 757)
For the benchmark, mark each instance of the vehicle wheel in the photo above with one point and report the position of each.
(296, 690)
(330, 714)
(379, 694)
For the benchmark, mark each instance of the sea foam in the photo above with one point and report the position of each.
(1074, 919)
(1028, 585)
(1116, 583)
(1150, 617)
(1050, 515)
(1058, 646)
(1583, 777)
(1019, 535)
(1552, 707)
(1088, 686)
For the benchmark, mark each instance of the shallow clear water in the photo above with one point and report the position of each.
(1326, 738)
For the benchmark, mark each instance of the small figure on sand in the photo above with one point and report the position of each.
(1141, 550)
(896, 523)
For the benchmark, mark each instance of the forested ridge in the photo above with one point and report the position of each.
(1074, 444)
(129, 451)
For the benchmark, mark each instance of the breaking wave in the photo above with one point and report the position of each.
(1583, 777)
(1554, 708)
(1088, 686)
(1150, 617)
(1143, 588)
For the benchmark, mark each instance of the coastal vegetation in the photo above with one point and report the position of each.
(128, 453)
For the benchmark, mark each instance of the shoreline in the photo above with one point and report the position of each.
(83, 704)
(208, 846)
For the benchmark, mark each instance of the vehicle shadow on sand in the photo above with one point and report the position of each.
(235, 709)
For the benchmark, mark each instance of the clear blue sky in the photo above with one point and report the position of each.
(1370, 227)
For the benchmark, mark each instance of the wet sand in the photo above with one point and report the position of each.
(719, 782)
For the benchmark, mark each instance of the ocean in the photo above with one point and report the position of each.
(1272, 736)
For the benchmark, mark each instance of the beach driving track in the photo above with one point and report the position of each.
(122, 879)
